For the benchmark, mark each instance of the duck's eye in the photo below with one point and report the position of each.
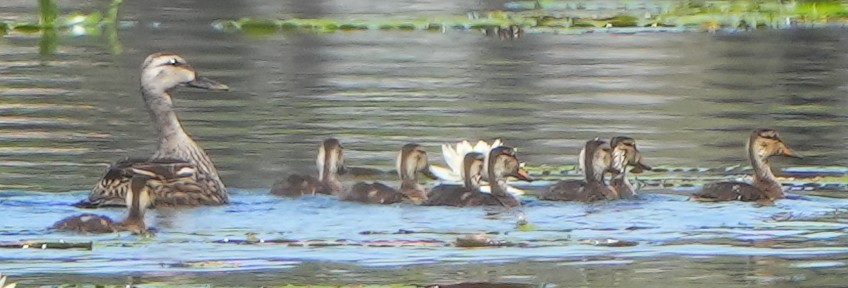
(173, 62)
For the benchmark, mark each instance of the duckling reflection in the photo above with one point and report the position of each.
(330, 163)
(144, 177)
(411, 160)
(761, 145)
(597, 158)
(161, 73)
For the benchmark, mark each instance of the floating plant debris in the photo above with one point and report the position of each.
(582, 16)
(47, 245)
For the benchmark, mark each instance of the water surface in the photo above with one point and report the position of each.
(690, 99)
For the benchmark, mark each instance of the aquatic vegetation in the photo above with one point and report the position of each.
(50, 24)
(583, 16)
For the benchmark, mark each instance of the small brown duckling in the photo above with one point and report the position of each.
(502, 163)
(597, 158)
(411, 160)
(469, 194)
(762, 144)
(143, 178)
(330, 162)
(625, 153)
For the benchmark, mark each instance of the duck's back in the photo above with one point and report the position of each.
(445, 195)
(623, 187)
(86, 223)
(458, 196)
(729, 191)
(197, 189)
(578, 190)
(296, 185)
(375, 193)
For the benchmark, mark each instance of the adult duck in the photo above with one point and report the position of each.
(411, 160)
(330, 163)
(761, 145)
(161, 73)
(144, 177)
(597, 157)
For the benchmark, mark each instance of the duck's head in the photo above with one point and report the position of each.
(411, 160)
(765, 143)
(625, 153)
(164, 71)
(472, 169)
(330, 160)
(504, 163)
(139, 198)
(597, 156)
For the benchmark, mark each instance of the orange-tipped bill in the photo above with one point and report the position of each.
(522, 174)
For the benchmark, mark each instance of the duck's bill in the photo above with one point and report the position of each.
(789, 152)
(342, 170)
(208, 84)
(640, 167)
(522, 174)
(429, 174)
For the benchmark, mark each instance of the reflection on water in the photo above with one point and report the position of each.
(689, 99)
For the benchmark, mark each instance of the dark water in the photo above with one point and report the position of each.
(689, 98)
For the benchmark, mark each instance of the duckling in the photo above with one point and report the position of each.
(143, 178)
(597, 157)
(625, 153)
(761, 145)
(454, 156)
(502, 162)
(161, 73)
(330, 162)
(411, 160)
(469, 194)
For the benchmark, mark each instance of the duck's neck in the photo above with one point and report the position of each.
(595, 171)
(471, 181)
(135, 219)
(138, 201)
(763, 177)
(162, 113)
(496, 182)
(174, 143)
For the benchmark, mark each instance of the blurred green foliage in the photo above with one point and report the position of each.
(577, 16)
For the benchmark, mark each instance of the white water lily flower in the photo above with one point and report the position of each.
(454, 156)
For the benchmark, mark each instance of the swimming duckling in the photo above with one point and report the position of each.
(467, 194)
(502, 162)
(411, 160)
(597, 158)
(625, 153)
(762, 144)
(454, 157)
(143, 178)
(330, 162)
(161, 73)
